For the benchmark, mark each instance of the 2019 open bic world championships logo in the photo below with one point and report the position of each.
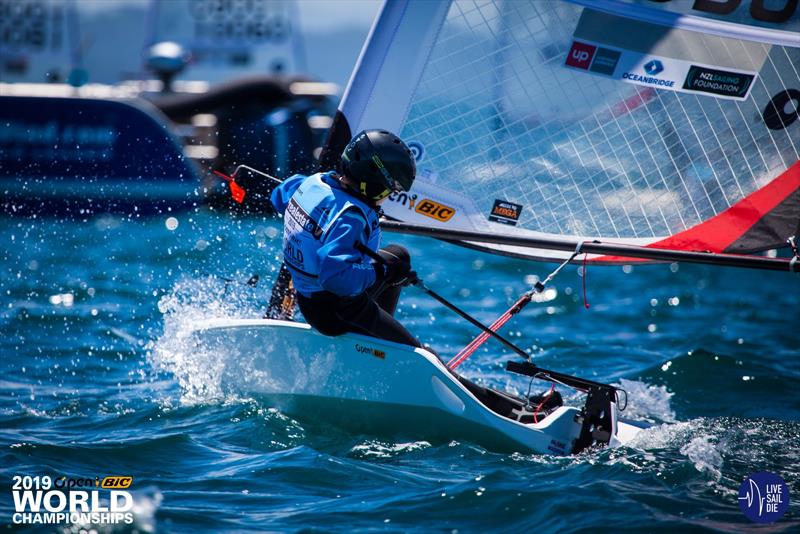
(764, 497)
(46, 500)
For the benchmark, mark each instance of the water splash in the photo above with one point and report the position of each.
(197, 368)
(704, 452)
(647, 402)
(379, 450)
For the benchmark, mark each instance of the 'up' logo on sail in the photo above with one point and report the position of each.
(580, 55)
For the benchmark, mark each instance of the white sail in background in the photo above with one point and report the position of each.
(106, 41)
(626, 121)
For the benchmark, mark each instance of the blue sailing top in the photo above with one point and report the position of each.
(322, 223)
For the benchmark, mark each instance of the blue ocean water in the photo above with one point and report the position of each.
(96, 381)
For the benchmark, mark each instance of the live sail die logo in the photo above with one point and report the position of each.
(764, 497)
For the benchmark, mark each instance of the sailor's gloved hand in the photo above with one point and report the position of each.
(397, 269)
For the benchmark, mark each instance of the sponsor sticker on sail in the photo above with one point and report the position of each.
(660, 72)
(718, 82)
(505, 212)
(663, 57)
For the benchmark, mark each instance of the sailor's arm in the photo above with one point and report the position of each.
(282, 193)
(344, 270)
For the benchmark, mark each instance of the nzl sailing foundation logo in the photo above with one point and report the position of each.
(764, 497)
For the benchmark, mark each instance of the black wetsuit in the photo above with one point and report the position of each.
(370, 313)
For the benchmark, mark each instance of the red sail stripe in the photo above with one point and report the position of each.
(719, 232)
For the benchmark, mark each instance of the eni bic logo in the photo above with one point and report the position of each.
(764, 497)
(435, 210)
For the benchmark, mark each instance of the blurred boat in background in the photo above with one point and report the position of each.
(133, 133)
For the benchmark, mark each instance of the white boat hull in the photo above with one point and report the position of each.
(374, 385)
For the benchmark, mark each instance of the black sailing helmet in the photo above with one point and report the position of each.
(380, 162)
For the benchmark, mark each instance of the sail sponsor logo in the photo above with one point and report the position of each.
(664, 73)
(505, 212)
(782, 110)
(427, 207)
(580, 55)
(404, 199)
(718, 82)
(652, 68)
(594, 58)
(758, 10)
(435, 210)
(362, 349)
(417, 150)
(605, 61)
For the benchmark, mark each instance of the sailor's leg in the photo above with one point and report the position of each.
(364, 316)
(333, 315)
(319, 314)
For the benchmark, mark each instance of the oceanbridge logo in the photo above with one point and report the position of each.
(46, 500)
(653, 67)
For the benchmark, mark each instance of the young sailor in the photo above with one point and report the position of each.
(327, 217)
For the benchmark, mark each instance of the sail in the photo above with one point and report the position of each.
(625, 121)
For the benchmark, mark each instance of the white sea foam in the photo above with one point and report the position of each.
(704, 452)
(646, 402)
(379, 449)
(197, 367)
